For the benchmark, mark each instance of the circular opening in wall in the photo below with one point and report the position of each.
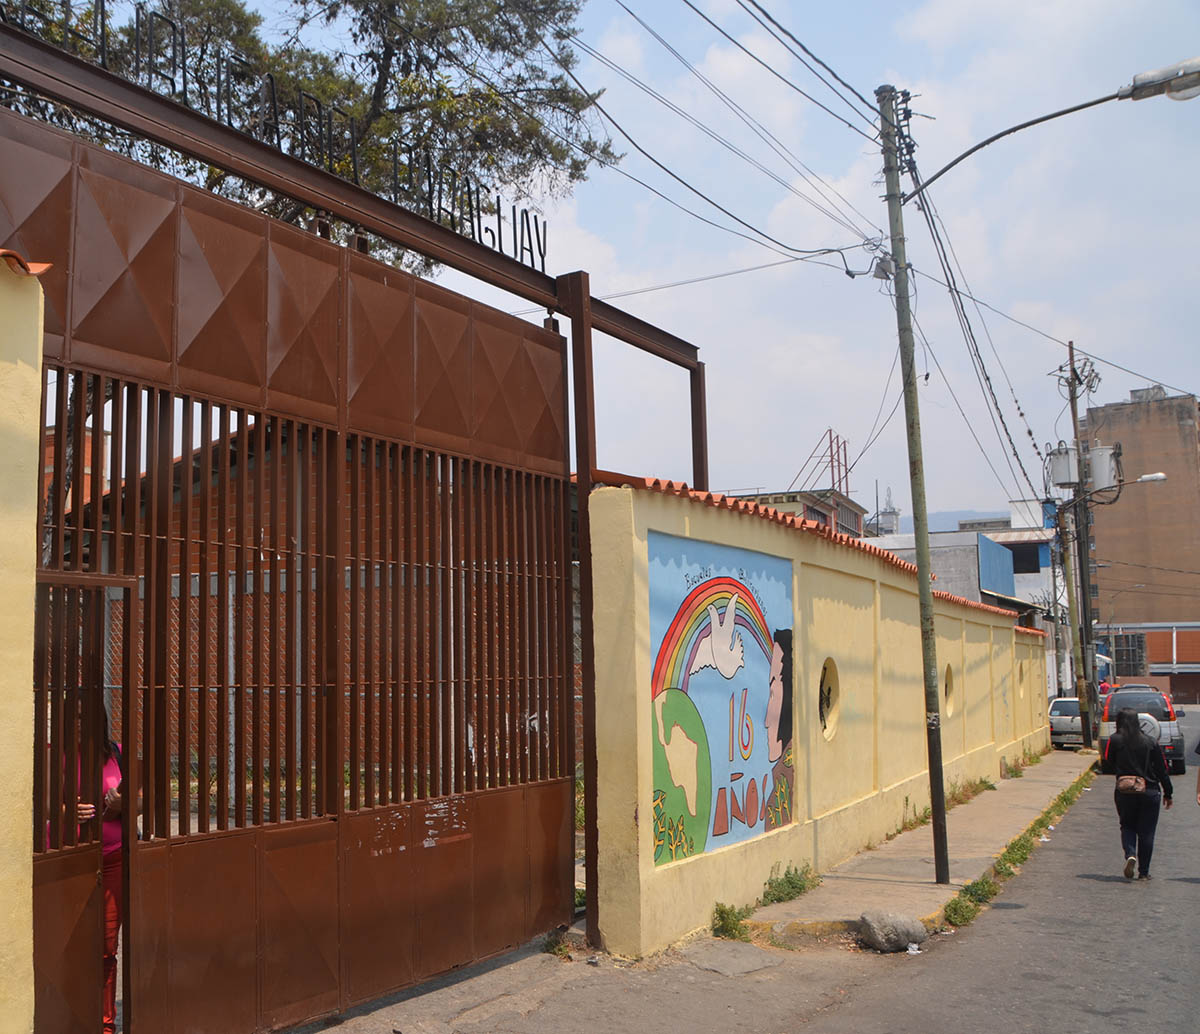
(948, 691)
(829, 698)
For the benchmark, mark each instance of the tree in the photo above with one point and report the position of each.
(478, 84)
(419, 98)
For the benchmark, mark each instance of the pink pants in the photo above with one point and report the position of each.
(111, 883)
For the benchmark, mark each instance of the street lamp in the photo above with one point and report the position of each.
(1180, 82)
(1080, 616)
(1145, 479)
(1179, 79)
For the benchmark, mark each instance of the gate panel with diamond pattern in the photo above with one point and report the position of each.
(342, 671)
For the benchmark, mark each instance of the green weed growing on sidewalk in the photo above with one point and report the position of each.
(729, 921)
(1015, 768)
(555, 944)
(1019, 848)
(960, 793)
(960, 910)
(981, 891)
(791, 884)
(956, 793)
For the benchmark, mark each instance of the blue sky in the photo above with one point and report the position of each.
(1086, 228)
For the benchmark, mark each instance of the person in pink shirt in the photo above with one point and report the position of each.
(111, 779)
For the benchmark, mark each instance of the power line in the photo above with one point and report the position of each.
(1152, 592)
(962, 412)
(670, 172)
(778, 75)
(790, 158)
(871, 434)
(766, 18)
(1148, 567)
(707, 277)
(766, 14)
(762, 132)
(964, 321)
(876, 434)
(713, 134)
(992, 411)
(987, 333)
(474, 73)
(1050, 337)
(1117, 588)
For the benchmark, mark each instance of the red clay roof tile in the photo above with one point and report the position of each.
(18, 264)
(788, 520)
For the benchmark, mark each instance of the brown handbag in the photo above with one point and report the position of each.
(1131, 784)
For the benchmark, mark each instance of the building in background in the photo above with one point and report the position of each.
(886, 519)
(1008, 562)
(1145, 548)
(829, 507)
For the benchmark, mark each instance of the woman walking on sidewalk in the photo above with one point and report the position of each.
(1142, 783)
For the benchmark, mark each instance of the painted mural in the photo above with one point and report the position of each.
(720, 693)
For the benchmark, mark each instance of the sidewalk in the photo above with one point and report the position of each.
(707, 984)
(898, 876)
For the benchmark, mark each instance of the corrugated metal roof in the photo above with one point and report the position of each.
(1022, 535)
(1016, 601)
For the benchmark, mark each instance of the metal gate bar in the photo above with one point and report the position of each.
(285, 572)
(198, 501)
(66, 78)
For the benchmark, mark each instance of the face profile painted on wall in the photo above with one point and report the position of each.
(778, 720)
(721, 695)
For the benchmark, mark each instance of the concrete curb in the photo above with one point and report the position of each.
(793, 933)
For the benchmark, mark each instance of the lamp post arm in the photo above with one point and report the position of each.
(1008, 132)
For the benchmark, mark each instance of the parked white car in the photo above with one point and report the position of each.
(1065, 727)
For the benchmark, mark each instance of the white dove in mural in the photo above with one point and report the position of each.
(722, 647)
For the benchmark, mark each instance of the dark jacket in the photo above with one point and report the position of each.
(1141, 757)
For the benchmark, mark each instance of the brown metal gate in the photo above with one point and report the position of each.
(68, 689)
(340, 498)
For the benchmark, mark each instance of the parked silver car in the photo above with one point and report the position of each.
(1146, 700)
(1065, 727)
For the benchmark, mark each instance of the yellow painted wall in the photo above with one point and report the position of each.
(903, 720)
(855, 782)
(976, 697)
(20, 400)
(839, 606)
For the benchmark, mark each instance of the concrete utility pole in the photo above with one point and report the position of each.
(1088, 700)
(886, 96)
(1072, 613)
(1056, 618)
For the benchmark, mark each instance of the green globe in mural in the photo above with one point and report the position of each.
(682, 777)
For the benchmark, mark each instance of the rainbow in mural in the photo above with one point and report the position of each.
(691, 627)
(720, 694)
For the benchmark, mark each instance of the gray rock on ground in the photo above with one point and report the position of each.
(888, 931)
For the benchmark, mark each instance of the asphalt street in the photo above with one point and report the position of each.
(1069, 943)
